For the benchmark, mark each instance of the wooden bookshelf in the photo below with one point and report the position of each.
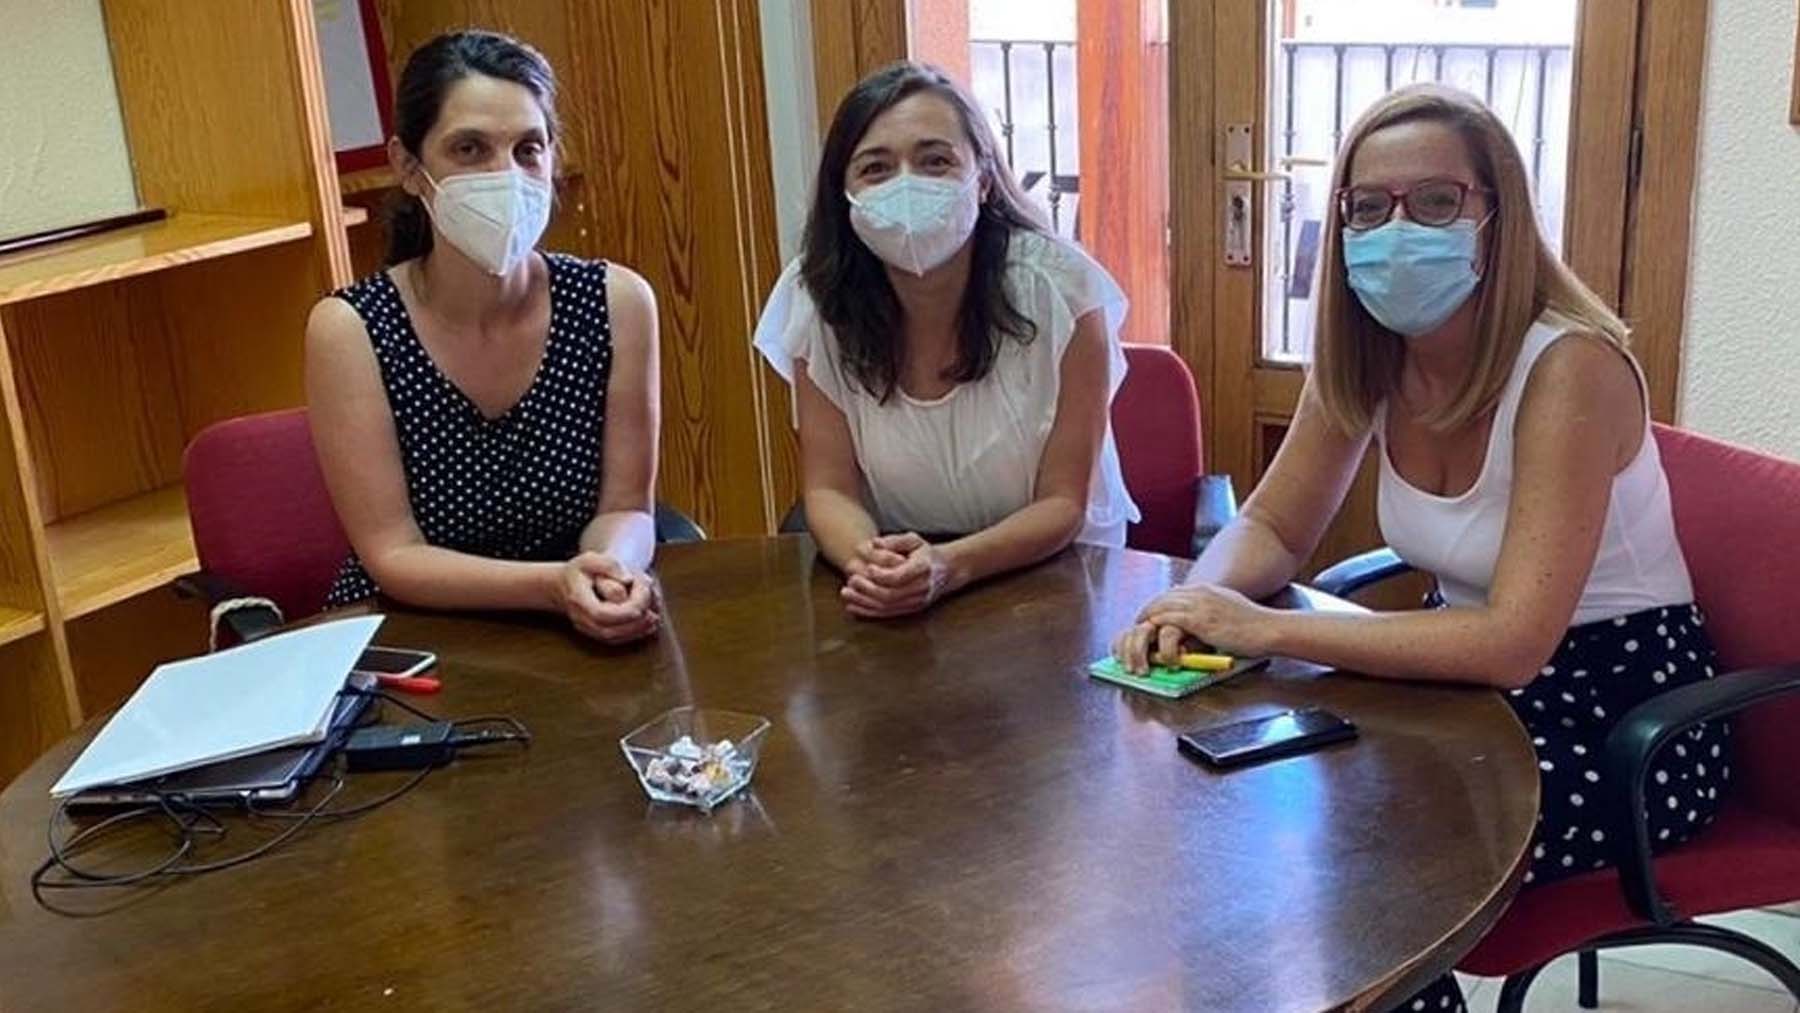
(116, 349)
(183, 238)
(16, 624)
(105, 556)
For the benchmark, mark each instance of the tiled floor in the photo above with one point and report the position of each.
(1658, 978)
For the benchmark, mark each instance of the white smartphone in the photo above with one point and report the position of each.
(394, 662)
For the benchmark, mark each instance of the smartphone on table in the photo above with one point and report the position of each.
(399, 668)
(1286, 734)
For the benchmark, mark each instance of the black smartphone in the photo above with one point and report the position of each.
(1284, 734)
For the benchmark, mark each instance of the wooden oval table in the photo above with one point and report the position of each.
(949, 815)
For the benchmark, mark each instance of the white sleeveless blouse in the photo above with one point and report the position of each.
(967, 460)
(1457, 538)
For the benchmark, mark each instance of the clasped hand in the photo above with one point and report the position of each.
(894, 575)
(607, 600)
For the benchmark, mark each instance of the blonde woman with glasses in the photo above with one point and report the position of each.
(1517, 467)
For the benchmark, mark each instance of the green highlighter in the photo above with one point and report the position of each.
(1171, 683)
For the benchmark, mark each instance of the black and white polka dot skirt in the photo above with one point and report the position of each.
(1601, 671)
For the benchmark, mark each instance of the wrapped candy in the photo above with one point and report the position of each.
(698, 770)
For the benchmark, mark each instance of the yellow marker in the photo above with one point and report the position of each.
(1207, 662)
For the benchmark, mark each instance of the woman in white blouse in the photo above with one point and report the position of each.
(953, 363)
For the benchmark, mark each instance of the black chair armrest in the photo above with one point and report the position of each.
(1348, 576)
(794, 521)
(1215, 504)
(1634, 743)
(246, 622)
(673, 526)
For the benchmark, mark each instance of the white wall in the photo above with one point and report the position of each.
(1741, 363)
(793, 114)
(63, 158)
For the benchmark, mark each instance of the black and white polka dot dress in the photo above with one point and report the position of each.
(521, 486)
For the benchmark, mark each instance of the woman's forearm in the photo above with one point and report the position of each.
(1248, 558)
(431, 577)
(839, 524)
(1466, 645)
(628, 536)
(1037, 531)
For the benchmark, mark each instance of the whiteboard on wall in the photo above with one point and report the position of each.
(63, 157)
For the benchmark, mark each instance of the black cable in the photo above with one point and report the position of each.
(62, 853)
(355, 810)
(519, 732)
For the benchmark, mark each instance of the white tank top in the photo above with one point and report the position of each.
(1457, 538)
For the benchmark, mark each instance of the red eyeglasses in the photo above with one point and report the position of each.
(1433, 202)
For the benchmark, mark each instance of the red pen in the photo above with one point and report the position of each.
(422, 685)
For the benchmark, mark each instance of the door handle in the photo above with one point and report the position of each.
(1240, 205)
(1236, 172)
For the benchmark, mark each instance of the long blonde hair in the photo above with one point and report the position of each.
(1357, 361)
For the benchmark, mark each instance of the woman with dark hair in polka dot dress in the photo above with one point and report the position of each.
(486, 415)
(1517, 467)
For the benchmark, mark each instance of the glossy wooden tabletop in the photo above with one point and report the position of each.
(949, 815)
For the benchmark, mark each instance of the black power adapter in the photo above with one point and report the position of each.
(400, 747)
(415, 747)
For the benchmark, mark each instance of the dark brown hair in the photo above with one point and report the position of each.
(430, 72)
(849, 283)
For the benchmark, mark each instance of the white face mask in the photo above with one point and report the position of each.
(494, 218)
(916, 223)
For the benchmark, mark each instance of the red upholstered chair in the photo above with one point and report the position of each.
(264, 524)
(1156, 422)
(1735, 512)
(262, 518)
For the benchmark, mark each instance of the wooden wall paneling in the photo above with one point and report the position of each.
(1193, 223)
(756, 235)
(572, 221)
(1671, 62)
(1600, 118)
(852, 38)
(211, 109)
(98, 396)
(1123, 84)
(660, 77)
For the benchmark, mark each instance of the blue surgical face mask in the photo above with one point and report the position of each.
(1412, 277)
